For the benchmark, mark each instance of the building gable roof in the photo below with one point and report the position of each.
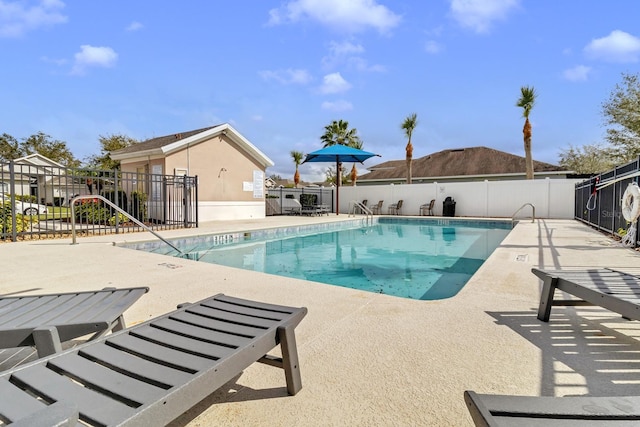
(165, 145)
(473, 161)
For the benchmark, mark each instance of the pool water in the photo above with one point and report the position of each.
(418, 260)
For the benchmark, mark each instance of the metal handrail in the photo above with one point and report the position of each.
(533, 215)
(363, 208)
(118, 209)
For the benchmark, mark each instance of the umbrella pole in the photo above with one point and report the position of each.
(337, 186)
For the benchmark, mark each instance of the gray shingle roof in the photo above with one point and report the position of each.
(457, 162)
(161, 141)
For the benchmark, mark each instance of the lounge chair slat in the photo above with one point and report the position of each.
(37, 308)
(221, 323)
(17, 403)
(209, 325)
(200, 332)
(239, 302)
(146, 369)
(215, 313)
(187, 344)
(92, 405)
(95, 375)
(250, 311)
(160, 353)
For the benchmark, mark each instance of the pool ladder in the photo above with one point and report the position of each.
(118, 209)
(365, 210)
(533, 214)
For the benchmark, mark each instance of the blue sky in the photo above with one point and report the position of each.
(279, 71)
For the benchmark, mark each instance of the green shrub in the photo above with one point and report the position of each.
(139, 206)
(91, 211)
(121, 219)
(6, 223)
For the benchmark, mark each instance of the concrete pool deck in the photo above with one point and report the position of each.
(371, 359)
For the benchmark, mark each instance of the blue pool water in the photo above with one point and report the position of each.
(410, 258)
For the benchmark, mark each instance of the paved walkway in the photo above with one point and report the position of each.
(371, 359)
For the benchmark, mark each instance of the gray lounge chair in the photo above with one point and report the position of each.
(607, 288)
(45, 321)
(500, 410)
(153, 372)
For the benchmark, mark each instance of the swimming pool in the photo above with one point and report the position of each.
(425, 259)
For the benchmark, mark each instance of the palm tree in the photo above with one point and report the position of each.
(409, 125)
(526, 102)
(338, 132)
(297, 159)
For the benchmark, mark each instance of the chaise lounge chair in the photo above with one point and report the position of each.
(607, 288)
(45, 321)
(153, 372)
(489, 410)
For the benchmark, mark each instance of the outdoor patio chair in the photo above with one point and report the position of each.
(153, 372)
(488, 410)
(45, 321)
(376, 209)
(395, 208)
(428, 208)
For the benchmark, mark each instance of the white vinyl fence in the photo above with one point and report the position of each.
(552, 198)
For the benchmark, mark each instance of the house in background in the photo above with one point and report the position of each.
(230, 169)
(460, 164)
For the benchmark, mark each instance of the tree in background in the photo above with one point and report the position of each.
(338, 132)
(526, 101)
(622, 114)
(39, 143)
(588, 159)
(108, 144)
(408, 125)
(297, 159)
(9, 148)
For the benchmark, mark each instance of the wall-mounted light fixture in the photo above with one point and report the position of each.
(221, 170)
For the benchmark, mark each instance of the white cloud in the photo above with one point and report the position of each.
(579, 73)
(346, 16)
(93, 56)
(257, 118)
(616, 47)
(337, 106)
(334, 83)
(288, 76)
(135, 26)
(479, 15)
(17, 17)
(432, 46)
(348, 53)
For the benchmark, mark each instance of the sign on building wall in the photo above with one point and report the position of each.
(258, 184)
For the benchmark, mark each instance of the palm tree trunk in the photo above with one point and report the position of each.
(526, 131)
(409, 150)
(296, 177)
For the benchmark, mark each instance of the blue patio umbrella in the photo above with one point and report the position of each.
(339, 153)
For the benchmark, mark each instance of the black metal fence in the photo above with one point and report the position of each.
(35, 201)
(306, 196)
(598, 199)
